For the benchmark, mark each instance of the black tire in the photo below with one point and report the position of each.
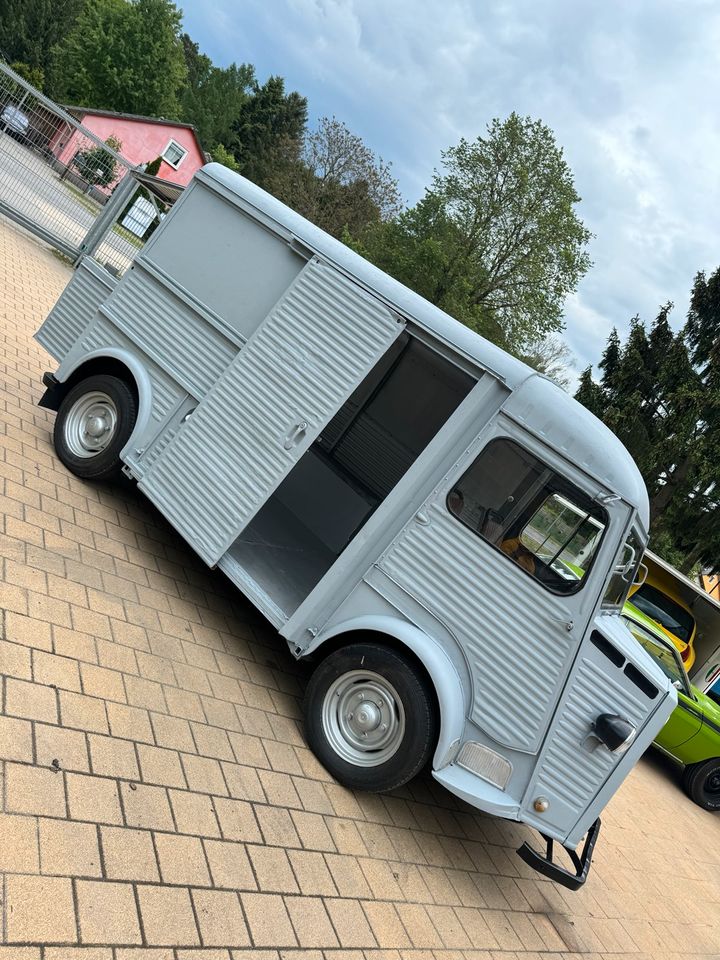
(416, 736)
(701, 782)
(106, 463)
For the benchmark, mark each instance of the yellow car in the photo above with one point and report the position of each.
(657, 600)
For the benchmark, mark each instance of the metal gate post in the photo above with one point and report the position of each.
(111, 211)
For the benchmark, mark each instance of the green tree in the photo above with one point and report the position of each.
(96, 166)
(30, 29)
(268, 132)
(590, 394)
(610, 362)
(658, 394)
(221, 155)
(123, 55)
(213, 97)
(496, 240)
(33, 75)
(337, 182)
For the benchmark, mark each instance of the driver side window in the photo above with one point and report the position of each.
(533, 515)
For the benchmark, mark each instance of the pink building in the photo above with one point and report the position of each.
(143, 140)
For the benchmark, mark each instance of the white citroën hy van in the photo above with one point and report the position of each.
(447, 532)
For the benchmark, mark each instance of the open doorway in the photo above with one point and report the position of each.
(341, 480)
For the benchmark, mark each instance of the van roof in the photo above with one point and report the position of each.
(572, 428)
(405, 301)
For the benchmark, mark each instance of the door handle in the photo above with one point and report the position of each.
(295, 434)
(568, 624)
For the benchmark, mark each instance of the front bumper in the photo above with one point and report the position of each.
(552, 870)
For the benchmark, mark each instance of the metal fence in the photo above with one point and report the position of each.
(64, 184)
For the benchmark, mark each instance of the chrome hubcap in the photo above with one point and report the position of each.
(90, 424)
(363, 718)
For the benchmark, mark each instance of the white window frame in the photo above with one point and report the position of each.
(175, 143)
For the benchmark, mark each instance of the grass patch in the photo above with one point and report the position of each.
(62, 257)
(92, 206)
(128, 236)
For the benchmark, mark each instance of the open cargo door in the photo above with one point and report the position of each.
(267, 408)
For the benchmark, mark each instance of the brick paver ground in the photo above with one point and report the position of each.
(159, 803)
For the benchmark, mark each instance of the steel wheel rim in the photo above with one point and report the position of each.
(90, 424)
(363, 718)
(712, 784)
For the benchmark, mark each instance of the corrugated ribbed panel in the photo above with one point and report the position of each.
(170, 332)
(76, 307)
(165, 395)
(373, 455)
(502, 618)
(157, 448)
(101, 334)
(165, 392)
(566, 769)
(300, 365)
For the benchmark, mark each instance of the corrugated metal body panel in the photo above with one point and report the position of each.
(494, 611)
(388, 461)
(157, 447)
(166, 394)
(300, 365)
(568, 771)
(101, 333)
(574, 766)
(78, 303)
(170, 332)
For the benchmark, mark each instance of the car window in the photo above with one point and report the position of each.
(661, 608)
(664, 654)
(531, 513)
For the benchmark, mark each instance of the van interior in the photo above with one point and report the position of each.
(346, 474)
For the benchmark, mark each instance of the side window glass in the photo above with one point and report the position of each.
(531, 513)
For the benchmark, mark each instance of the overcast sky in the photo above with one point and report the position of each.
(629, 88)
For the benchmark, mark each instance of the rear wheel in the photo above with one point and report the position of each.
(701, 782)
(93, 424)
(370, 716)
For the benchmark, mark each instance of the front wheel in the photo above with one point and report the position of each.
(370, 716)
(93, 424)
(702, 783)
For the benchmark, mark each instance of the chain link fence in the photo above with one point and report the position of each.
(68, 187)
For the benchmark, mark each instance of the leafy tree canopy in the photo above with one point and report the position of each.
(96, 166)
(496, 239)
(337, 181)
(124, 56)
(213, 97)
(30, 29)
(268, 130)
(660, 393)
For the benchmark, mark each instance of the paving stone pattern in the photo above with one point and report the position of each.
(158, 800)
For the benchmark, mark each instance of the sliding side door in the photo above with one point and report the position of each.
(267, 408)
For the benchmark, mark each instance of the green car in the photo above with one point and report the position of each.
(692, 734)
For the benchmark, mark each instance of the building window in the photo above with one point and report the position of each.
(174, 154)
(533, 515)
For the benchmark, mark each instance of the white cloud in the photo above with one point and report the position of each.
(628, 88)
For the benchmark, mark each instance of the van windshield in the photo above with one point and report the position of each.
(664, 654)
(665, 611)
